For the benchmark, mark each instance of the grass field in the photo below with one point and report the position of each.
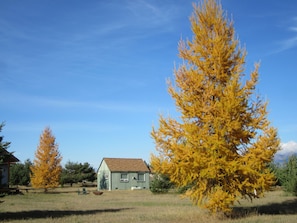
(65, 205)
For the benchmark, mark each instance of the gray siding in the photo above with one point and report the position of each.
(129, 182)
(107, 180)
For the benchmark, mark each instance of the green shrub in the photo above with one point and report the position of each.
(160, 184)
(286, 175)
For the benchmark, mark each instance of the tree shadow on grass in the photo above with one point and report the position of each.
(284, 208)
(35, 214)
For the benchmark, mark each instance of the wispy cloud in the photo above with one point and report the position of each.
(294, 28)
(84, 41)
(74, 125)
(42, 102)
(290, 42)
(150, 15)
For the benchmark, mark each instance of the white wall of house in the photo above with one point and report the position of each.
(103, 177)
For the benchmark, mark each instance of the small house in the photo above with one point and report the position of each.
(122, 174)
(7, 159)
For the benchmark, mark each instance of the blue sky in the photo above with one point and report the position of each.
(95, 71)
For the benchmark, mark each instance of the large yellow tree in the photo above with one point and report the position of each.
(222, 143)
(46, 168)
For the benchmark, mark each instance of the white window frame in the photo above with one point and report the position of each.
(126, 179)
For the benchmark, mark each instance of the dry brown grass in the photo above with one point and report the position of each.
(65, 205)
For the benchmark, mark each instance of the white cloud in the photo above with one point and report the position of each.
(288, 148)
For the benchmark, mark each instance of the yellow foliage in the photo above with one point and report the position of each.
(46, 167)
(223, 142)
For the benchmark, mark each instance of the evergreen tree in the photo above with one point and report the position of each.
(3, 146)
(46, 168)
(77, 172)
(160, 184)
(287, 175)
(20, 173)
(222, 143)
(87, 172)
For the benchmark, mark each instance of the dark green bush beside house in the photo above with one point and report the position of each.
(122, 174)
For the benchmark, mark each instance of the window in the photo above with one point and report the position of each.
(141, 177)
(124, 177)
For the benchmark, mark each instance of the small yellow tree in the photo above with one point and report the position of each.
(222, 143)
(46, 168)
